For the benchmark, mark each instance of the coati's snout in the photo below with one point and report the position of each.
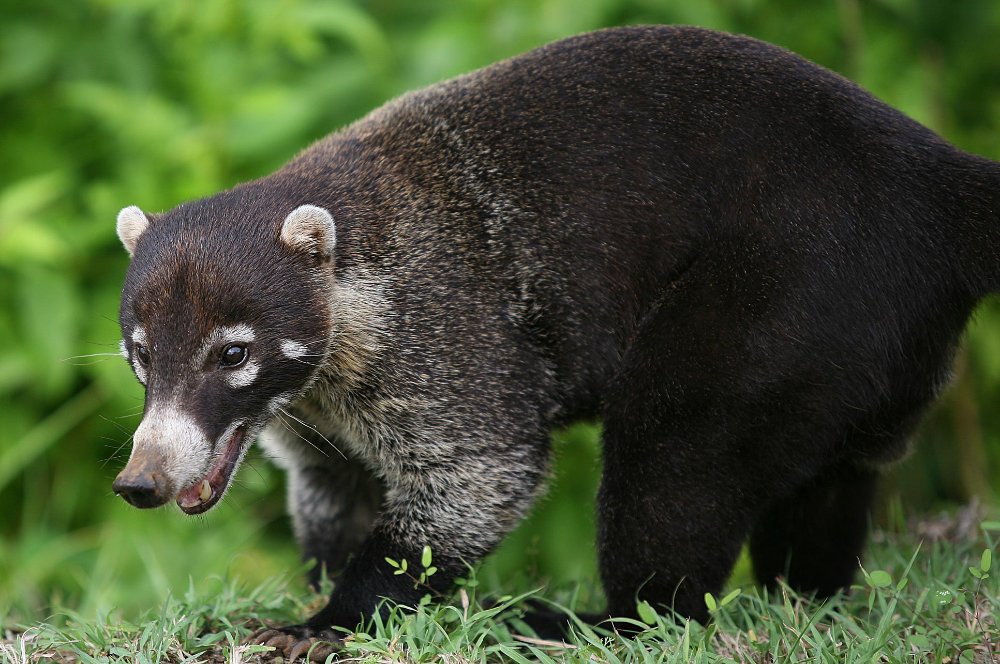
(142, 482)
(169, 453)
(172, 459)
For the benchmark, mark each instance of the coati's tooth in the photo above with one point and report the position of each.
(206, 491)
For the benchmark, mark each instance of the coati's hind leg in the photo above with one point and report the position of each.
(709, 420)
(814, 535)
(669, 531)
(333, 507)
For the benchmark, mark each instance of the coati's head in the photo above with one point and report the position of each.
(224, 319)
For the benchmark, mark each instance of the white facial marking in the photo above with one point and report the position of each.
(172, 434)
(292, 349)
(243, 376)
(130, 225)
(220, 336)
(139, 337)
(279, 401)
(310, 228)
(234, 333)
(122, 349)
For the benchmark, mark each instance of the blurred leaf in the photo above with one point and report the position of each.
(879, 579)
(732, 595)
(26, 242)
(14, 370)
(50, 311)
(27, 54)
(16, 456)
(337, 19)
(30, 195)
(142, 121)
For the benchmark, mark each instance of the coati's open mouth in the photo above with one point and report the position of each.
(206, 492)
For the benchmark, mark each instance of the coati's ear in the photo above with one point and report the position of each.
(132, 223)
(311, 229)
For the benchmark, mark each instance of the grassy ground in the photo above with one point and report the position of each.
(927, 593)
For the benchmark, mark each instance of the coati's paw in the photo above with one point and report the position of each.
(295, 641)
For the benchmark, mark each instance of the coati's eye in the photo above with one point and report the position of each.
(142, 354)
(234, 355)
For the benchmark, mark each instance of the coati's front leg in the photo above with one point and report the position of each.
(460, 505)
(333, 499)
(459, 508)
(333, 508)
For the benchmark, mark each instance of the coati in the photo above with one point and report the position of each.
(751, 270)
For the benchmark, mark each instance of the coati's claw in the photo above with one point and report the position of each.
(297, 641)
(317, 650)
(261, 635)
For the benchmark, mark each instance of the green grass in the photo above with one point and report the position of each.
(926, 594)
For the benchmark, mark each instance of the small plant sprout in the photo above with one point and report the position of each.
(425, 562)
(877, 578)
(985, 562)
(714, 605)
(401, 565)
(646, 612)
(428, 570)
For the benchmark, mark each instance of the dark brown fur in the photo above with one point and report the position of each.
(753, 271)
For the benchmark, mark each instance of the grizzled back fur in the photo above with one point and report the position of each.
(754, 272)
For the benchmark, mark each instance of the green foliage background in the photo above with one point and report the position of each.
(106, 103)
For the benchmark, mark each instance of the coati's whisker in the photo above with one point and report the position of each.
(249, 464)
(116, 425)
(301, 361)
(312, 428)
(299, 435)
(116, 452)
(111, 442)
(80, 357)
(101, 357)
(315, 430)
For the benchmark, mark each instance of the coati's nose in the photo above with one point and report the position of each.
(141, 489)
